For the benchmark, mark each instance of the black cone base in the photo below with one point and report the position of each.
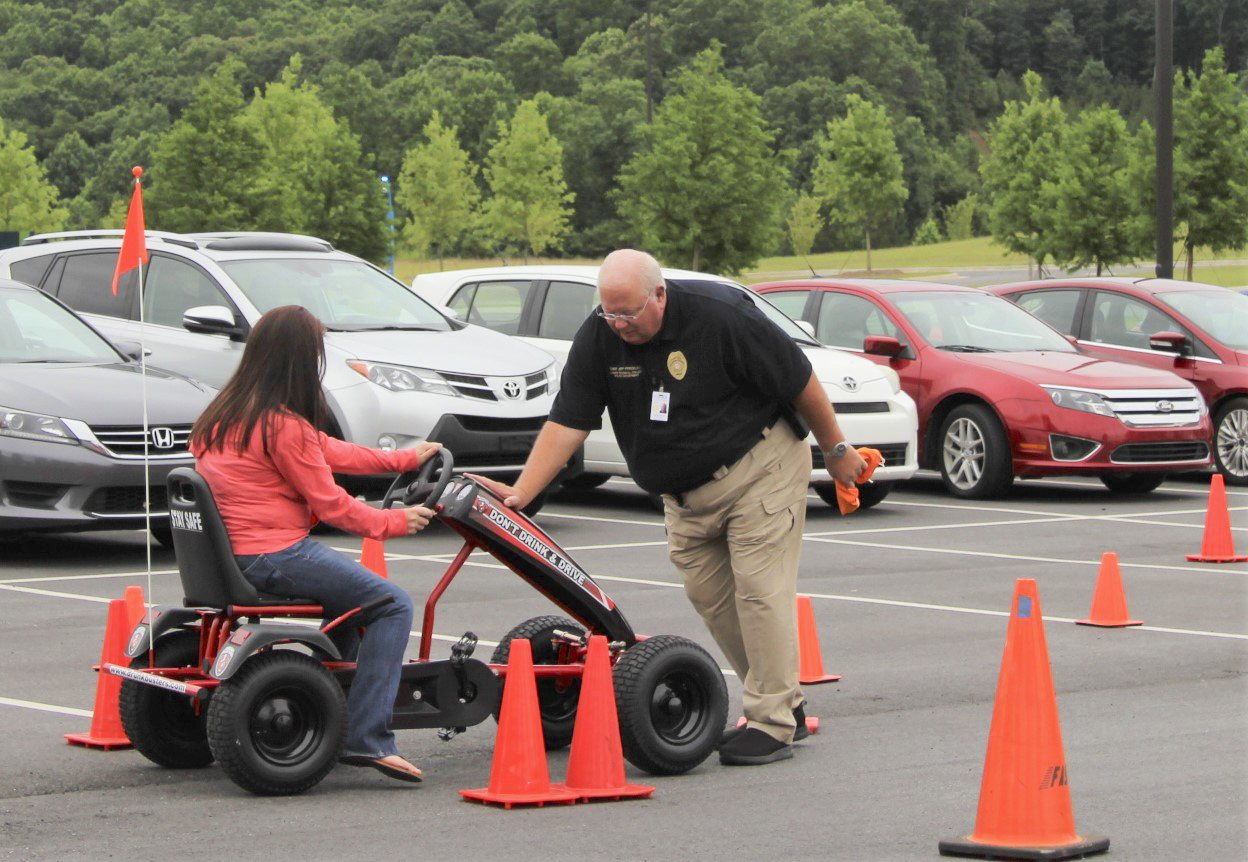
(1087, 845)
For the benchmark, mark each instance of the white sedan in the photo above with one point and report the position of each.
(545, 305)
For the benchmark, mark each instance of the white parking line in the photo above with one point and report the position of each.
(45, 707)
(88, 577)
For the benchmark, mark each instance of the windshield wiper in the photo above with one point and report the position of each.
(966, 348)
(42, 361)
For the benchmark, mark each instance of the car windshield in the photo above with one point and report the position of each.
(977, 323)
(1221, 313)
(33, 328)
(346, 295)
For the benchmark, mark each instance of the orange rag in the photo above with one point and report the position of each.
(847, 498)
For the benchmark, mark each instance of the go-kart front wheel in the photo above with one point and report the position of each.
(672, 704)
(557, 698)
(278, 726)
(165, 727)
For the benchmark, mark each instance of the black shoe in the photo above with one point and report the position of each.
(753, 747)
(800, 731)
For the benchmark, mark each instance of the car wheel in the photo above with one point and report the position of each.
(1132, 483)
(163, 536)
(1230, 441)
(585, 481)
(975, 458)
(557, 698)
(165, 727)
(869, 494)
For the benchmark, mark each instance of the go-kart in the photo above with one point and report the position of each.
(217, 678)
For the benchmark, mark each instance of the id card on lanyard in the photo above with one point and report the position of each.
(660, 405)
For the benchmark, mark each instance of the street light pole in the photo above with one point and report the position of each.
(385, 184)
(1163, 87)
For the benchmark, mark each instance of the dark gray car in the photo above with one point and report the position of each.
(71, 422)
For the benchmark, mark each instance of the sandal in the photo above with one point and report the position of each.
(379, 763)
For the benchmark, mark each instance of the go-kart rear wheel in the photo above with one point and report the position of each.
(556, 698)
(672, 703)
(278, 726)
(164, 726)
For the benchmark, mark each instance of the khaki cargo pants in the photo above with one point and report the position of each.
(737, 541)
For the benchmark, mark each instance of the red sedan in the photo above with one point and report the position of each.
(1204, 339)
(1000, 394)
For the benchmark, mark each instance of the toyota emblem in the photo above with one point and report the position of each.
(512, 389)
(850, 384)
(162, 438)
(1165, 406)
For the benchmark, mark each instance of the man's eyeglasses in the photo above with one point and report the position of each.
(627, 318)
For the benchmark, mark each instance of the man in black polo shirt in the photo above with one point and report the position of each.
(702, 390)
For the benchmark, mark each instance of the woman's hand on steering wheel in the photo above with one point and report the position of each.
(425, 451)
(418, 518)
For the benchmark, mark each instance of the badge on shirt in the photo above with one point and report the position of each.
(677, 365)
(660, 403)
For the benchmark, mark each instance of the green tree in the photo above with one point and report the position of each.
(1092, 196)
(209, 170)
(704, 190)
(804, 223)
(859, 172)
(928, 232)
(1025, 150)
(1211, 159)
(960, 218)
(325, 185)
(531, 203)
(438, 188)
(28, 202)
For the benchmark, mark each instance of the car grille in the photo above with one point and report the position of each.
(501, 424)
(490, 388)
(1160, 453)
(126, 501)
(126, 441)
(894, 454)
(860, 406)
(1155, 407)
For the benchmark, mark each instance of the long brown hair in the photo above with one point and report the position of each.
(280, 372)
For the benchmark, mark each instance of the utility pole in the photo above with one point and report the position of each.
(1163, 91)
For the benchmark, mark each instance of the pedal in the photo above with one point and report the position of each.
(463, 648)
(446, 734)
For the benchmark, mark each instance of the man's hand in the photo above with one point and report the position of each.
(425, 451)
(513, 498)
(417, 518)
(847, 468)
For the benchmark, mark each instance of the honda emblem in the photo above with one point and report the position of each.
(162, 438)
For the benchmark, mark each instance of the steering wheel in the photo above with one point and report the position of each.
(420, 487)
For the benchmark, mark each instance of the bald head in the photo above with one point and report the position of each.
(631, 283)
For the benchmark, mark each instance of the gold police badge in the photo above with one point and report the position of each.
(677, 365)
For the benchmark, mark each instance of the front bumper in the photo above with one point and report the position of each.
(55, 486)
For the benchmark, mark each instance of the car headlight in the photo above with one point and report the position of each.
(554, 372)
(35, 426)
(401, 378)
(1077, 399)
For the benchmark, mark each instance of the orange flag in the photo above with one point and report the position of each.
(133, 241)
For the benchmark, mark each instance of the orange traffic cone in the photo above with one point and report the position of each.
(518, 775)
(106, 732)
(596, 764)
(810, 665)
(136, 607)
(1218, 546)
(1109, 602)
(373, 557)
(1024, 800)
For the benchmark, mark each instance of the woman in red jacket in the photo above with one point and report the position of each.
(271, 471)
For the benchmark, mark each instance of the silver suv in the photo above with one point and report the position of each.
(398, 371)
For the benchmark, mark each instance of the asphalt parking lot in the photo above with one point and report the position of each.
(910, 598)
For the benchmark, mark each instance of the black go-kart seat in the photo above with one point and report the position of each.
(210, 576)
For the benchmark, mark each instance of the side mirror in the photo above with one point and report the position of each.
(806, 326)
(132, 350)
(882, 345)
(212, 320)
(1170, 342)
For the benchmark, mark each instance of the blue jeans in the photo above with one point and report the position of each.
(308, 569)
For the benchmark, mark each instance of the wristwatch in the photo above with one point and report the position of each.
(839, 450)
